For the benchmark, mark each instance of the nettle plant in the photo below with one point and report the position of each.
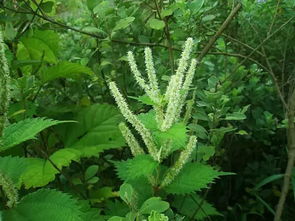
(163, 161)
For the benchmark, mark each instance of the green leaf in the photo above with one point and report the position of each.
(176, 135)
(268, 180)
(208, 18)
(65, 69)
(40, 172)
(39, 50)
(127, 193)
(193, 177)
(156, 24)
(189, 205)
(96, 130)
(123, 23)
(46, 205)
(154, 204)
(156, 216)
(25, 130)
(235, 116)
(139, 166)
(13, 167)
(205, 152)
(196, 5)
(91, 171)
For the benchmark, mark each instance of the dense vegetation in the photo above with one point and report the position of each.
(147, 110)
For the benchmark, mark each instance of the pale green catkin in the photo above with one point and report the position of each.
(4, 86)
(9, 190)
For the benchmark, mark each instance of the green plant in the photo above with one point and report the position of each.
(163, 132)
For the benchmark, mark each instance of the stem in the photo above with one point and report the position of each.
(291, 157)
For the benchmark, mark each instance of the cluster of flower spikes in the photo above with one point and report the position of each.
(166, 115)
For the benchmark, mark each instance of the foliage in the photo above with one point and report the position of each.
(90, 131)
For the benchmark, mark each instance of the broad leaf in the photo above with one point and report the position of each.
(46, 205)
(195, 206)
(40, 172)
(156, 24)
(65, 69)
(193, 177)
(141, 165)
(13, 167)
(25, 130)
(154, 204)
(96, 130)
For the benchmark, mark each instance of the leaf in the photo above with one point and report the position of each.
(40, 172)
(127, 193)
(235, 116)
(155, 216)
(156, 24)
(46, 205)
(196, 5)
(123, 23)
(139, 166)
(176, 135)
(39, 50)
(205, 152)
(91, 171)
(65, 69)
(189, 205)
(193, 177)
(13, 167)
(268, 180)
(154, 204)
(25, 130)
(208, 18)
(96, 130)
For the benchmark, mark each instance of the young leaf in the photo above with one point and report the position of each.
(123, 23)
(25, 130)
(156, 24)
(156, 216)
(154, 204)
(139, 166)
(46, 205)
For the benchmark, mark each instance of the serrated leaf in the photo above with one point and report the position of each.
(139, 166)
(13, 167)
(193, 177)
(154, 204)
(65, 69)
(25, 130)
(96, 130)
(176, 135)
(189, 205)
(123, 23)
(156, 24)
(46, 205)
